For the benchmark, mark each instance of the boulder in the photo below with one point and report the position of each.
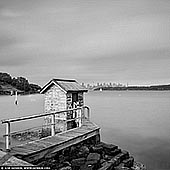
(121, 156)
(66, 168)
(109, 147)
(78, 162)
(87, 167)
(102, 161)
(83, 151)
(128, 162)
(97, 149)
(138, 166)
(73, 152)
(106, 166)
(114, 152)
(126, 153)
(121, 167)
(117, 159)
(107, 157)
(93, 158)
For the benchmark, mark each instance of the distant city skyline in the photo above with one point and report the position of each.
(122, 41)
(109, 84)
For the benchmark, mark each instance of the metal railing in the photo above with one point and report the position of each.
(79, 118)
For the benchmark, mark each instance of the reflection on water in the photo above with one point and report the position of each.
(136, 121)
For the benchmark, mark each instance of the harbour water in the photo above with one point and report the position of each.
(138, 121)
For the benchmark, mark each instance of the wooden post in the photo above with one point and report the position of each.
(83, 117)
(7, 138)
(83, 113)
(86, 114)
(16, 98)
(80, 117)
(65, 124)
(53, 125)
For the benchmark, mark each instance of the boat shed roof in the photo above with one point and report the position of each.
(66, 85)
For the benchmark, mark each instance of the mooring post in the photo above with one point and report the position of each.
(7, 136)
(53, 125)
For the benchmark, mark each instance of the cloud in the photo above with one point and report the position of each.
(7, 40)
(9, 13)
(92, 39)
(11, 54)
(13, 62)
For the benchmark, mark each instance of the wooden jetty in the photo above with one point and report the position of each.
(48, 146)
(64, 111)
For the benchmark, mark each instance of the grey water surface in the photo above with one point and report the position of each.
(137, 121)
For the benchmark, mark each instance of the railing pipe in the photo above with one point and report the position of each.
(88, 112)
(37, 116)
(78, 117)
(7, 142)
(53, 125)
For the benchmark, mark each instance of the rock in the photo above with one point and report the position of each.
(102, 161)
(109, 147)
(87, 167)
(107, 157)
(78, 162)
(114, 152)
(66, 152)
(73, 152)
(114, 161)
(84, 151)
(66, 163)
(89, 156)
(107, 166)
(66, 168)
(118, 159)
(126, 153)
(97, 149)
(138, 166)
(121, 156)
(121, 167)
(128, 162)
(93, 158)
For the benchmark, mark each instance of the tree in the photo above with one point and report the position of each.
(5, 77)
(21, 83)
(34, 87)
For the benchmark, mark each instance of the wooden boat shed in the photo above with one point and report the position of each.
(62, 94)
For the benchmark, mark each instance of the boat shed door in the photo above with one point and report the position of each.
(74, 98)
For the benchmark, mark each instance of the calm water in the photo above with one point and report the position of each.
(136, 121)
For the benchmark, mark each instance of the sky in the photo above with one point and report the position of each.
(125, 41)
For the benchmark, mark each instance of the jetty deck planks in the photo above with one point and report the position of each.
(38, 149)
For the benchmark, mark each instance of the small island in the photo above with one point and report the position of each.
(141, 88)
(9, 84)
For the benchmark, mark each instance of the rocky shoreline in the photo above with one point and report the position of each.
(91, 156)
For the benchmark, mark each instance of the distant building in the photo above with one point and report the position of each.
(60, 95)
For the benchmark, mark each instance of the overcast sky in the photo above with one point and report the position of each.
(89, 40)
